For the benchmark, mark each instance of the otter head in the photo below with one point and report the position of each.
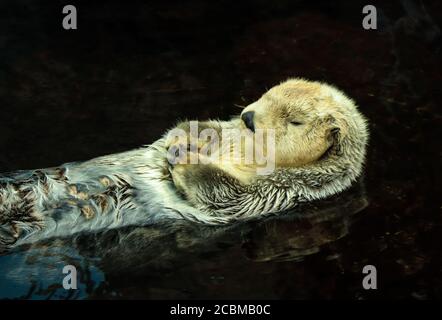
(309, 119)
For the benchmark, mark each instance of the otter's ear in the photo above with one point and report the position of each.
(334, 134)
(335, 137)
(334, 131)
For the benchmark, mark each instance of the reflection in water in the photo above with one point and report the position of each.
(291, 239)
(175, 259)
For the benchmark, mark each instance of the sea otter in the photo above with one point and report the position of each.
(320, 143)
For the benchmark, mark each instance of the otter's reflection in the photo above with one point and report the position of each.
(304, 231)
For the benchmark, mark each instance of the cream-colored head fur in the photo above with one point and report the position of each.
(307, 118)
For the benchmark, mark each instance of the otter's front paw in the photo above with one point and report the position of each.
(191, 180)
(179, 173)
(188, 179)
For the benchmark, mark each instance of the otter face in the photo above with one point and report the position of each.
(305, 116)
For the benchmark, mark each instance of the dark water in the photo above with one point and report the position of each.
(131, 70)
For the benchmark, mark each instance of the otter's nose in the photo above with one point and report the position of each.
(247, 117)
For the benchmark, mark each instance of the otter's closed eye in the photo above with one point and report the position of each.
(296, 123)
